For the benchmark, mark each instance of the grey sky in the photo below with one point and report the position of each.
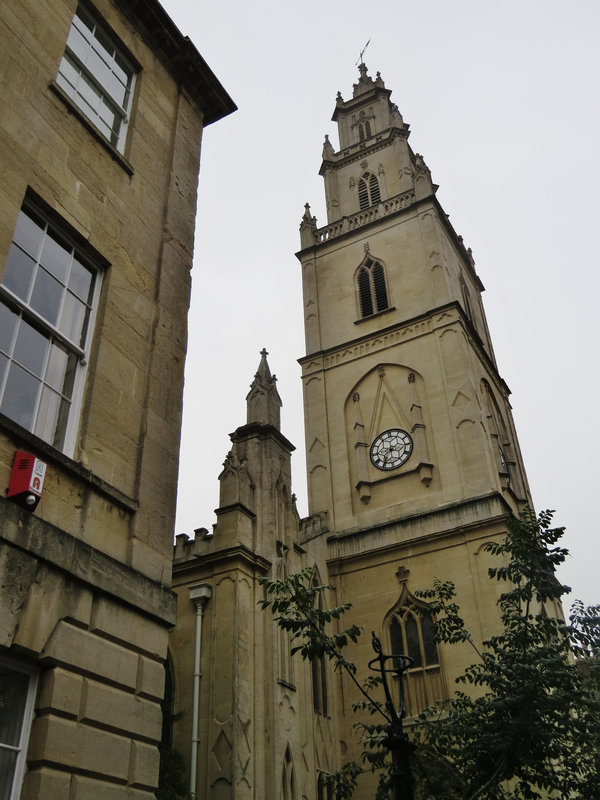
(502, 100)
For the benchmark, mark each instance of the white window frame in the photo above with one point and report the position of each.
(91, 72)
(77, 350)
(28, 711)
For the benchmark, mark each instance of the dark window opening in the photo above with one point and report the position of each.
(372, 288)
(369, 192)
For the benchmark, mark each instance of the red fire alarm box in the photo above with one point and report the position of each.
(26, 480)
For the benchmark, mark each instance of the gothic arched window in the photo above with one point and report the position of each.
(411, 633)
(318, 667)
(364, 130)
(368, 190)
(372, 288)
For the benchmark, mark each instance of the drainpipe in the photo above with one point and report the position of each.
(199, 595)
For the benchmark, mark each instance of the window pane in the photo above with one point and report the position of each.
(122, 70)
(60, 374)
(68, 77)
(78, 43)
(56, 256)
(20, 396)
(28, 233)
(72, 319)
(103, 45)
(47, 414)
(8, 760)
(115, 88)
(8, 324)
(109, 120)
(30, 348)
(81, 281)
(4, 362)
(57, 366)
(13, 696)
(98, 67)
(18, 272)
(396, 641)
(46, 296)
(412, 641)
(431, 656)
(60, 430)
(89, 94)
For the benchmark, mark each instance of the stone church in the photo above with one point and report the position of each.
(413, 464)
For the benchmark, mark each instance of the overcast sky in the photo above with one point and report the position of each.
(502, 100)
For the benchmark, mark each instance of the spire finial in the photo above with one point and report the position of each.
(263, 401)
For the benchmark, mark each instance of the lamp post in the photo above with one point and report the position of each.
(397, 742)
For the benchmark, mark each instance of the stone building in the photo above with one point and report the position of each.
(413, 465)
(103, 108)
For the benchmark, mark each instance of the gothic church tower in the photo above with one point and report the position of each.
(412, 457)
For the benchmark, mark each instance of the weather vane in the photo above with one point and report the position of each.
(362, 52)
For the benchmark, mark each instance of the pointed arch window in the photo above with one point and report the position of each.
(288, 779)
(411, 632)
(364, 130)
(369, 192)
(319, 667)
(466, 301)
(372, 288)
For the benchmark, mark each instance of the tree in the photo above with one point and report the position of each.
(529, 726)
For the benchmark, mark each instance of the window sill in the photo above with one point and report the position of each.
(373, 316)
(24, 438)
(98, 135)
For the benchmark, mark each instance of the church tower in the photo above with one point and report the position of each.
(412, 458)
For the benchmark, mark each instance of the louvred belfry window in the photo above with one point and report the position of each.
(368, 190)
(364, 130)
(372, 288)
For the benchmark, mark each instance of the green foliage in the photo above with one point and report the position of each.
(530, 725)
(171, 776)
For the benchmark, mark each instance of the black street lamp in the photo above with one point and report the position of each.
(397, 742)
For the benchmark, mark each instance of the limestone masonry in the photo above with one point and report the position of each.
(103, 111)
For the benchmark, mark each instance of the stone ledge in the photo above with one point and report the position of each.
(23, 438)
(83, 562)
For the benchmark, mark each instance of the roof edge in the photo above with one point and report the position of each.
(180, 56)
